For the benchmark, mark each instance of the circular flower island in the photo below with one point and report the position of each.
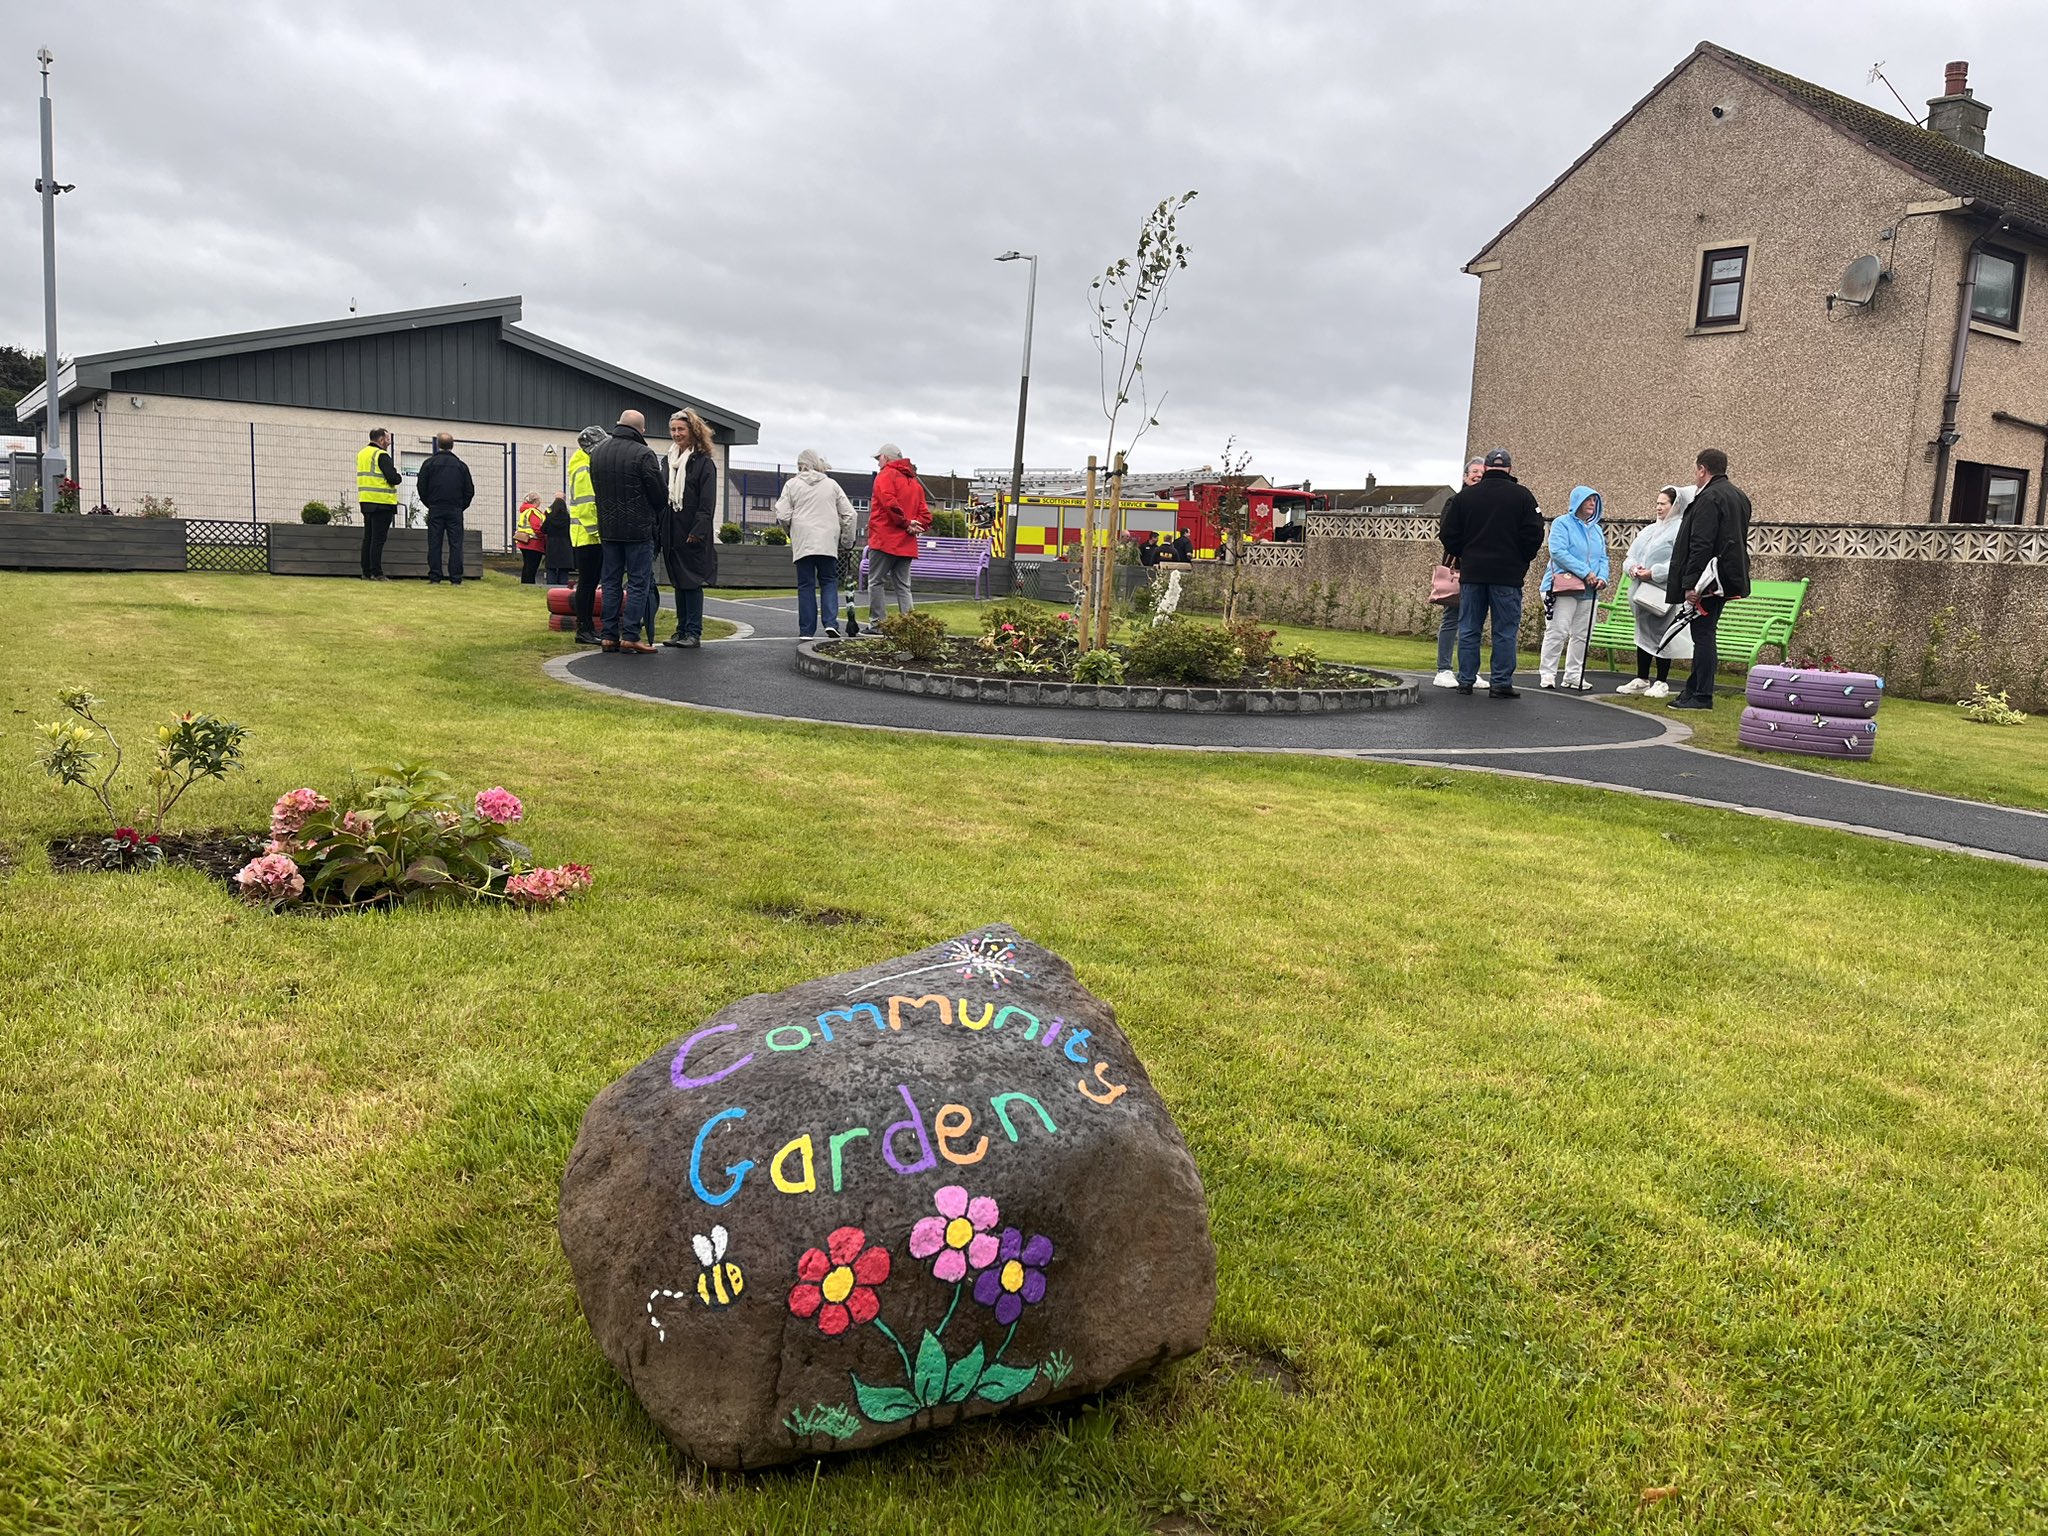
(1027, 655)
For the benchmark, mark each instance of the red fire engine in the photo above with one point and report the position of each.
(1272, 510)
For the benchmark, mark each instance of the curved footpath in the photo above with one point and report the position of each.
(1555, 737)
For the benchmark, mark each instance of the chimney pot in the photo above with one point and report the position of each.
(1956, 79)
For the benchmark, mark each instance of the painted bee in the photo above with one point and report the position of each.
(721, 1282)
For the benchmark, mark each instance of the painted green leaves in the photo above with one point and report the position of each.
(934, 1380)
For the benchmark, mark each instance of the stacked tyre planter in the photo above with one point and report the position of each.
(562, 607)
(1819, 714)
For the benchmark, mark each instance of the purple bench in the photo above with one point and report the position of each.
(945, 560)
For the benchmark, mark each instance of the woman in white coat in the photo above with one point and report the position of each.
(1648, 563)
(821, 522)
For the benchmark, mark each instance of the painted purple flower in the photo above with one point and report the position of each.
(1017, 1279)
(959, 1234)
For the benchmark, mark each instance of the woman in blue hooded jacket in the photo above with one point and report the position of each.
(1572, 582)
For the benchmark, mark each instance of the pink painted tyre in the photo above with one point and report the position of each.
(1814, 735)
(1806, 691)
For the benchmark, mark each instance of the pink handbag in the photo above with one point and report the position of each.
(1567, 583)
(1444, 586)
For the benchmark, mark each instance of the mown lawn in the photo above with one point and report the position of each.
(1925, 746)
(1561, 1147)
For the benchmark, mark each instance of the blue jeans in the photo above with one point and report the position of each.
(1476, 600)
(630, 566)
(1447, 637)
(690, 613)
(817, 592)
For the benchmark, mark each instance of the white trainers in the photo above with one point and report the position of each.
(1658, 690)
(1546, 682)
(1446, 680)
(1634, 685)
(1581, 686)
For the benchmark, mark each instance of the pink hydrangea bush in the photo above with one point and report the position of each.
(408, 838)
(272, 878)
(545, 887)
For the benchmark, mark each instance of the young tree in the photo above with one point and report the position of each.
(1233, 516)
(20, 372)
(1126, 301)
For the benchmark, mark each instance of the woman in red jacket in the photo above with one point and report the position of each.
(529, 540)
(896, 516)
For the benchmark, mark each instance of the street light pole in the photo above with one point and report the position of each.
(53, 452)
(1023, 399)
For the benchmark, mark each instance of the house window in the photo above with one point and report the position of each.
(1984, 493)
(1724, 278)
(2000, 276)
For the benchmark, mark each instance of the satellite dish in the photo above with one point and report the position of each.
(1859, 282)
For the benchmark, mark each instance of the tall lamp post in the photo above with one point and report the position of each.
(1023, 398)
(53, 451)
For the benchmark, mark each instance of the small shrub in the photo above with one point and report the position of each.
(344, 513)
(1184, 651)
(1294, 669)
(407, 839)
(920, 634)
(879, 651)
(949, 524)
(316, 512)
(729, 533)
(1256, 643)
(190, 748)
(1988, 708)
(773, 534)
(156, 506)
(1102, 667)
(67, 498)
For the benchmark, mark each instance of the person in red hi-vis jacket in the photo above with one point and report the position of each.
(896, 516)
(529, 539)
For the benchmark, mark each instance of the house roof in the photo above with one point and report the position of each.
(511, 393)
(1992, 183)
(1384, 496)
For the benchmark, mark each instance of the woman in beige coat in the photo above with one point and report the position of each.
(821, 522)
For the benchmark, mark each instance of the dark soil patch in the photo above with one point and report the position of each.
(817, 917)
(1264, 1365)
(962, 658)
(216, 852)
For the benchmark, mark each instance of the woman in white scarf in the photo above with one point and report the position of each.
(1648, 564)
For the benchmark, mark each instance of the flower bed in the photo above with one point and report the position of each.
(1025, 656)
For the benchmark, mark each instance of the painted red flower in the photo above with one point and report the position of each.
(836, 1283)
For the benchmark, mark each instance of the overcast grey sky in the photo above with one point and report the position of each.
(791, 208)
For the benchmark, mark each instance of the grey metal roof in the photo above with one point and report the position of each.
(459, 362)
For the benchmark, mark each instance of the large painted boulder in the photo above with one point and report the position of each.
(885, 1201)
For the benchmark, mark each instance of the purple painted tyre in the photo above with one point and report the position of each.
(1815, 735)
(1806, 691)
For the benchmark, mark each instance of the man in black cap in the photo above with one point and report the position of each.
(1490, 532)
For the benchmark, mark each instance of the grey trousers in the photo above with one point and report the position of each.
(887, 575)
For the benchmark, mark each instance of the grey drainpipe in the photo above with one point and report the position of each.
(1946, 439)
(2041, 481)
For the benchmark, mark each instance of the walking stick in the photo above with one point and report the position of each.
(1592, 617)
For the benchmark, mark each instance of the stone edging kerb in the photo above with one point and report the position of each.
(1176, 697)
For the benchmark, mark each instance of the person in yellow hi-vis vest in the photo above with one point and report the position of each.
(377, 480)
(528, 539)
(583, 536)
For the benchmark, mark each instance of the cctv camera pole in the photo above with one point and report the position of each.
(53, 453)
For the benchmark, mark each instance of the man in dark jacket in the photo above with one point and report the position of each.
(1490, 532)
(1714, 531)
(631, 491)
(446, 490)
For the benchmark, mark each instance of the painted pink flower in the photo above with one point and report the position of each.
(958, 1235)
(272, 877)
(294, 810)
(500, 805)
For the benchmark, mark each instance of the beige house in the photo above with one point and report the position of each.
(1853, 307)
(251, 427)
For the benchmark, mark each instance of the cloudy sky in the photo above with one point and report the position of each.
(791, 208)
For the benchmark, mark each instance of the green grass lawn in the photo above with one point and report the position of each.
(1560, 1145)
(1919, 745)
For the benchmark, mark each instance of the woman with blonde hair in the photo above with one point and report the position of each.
(689, 549)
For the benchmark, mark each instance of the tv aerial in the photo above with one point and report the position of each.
(1859, 284)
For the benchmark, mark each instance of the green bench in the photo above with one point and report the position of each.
(1748, 625)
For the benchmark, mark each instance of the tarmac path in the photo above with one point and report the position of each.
(1556, 737)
